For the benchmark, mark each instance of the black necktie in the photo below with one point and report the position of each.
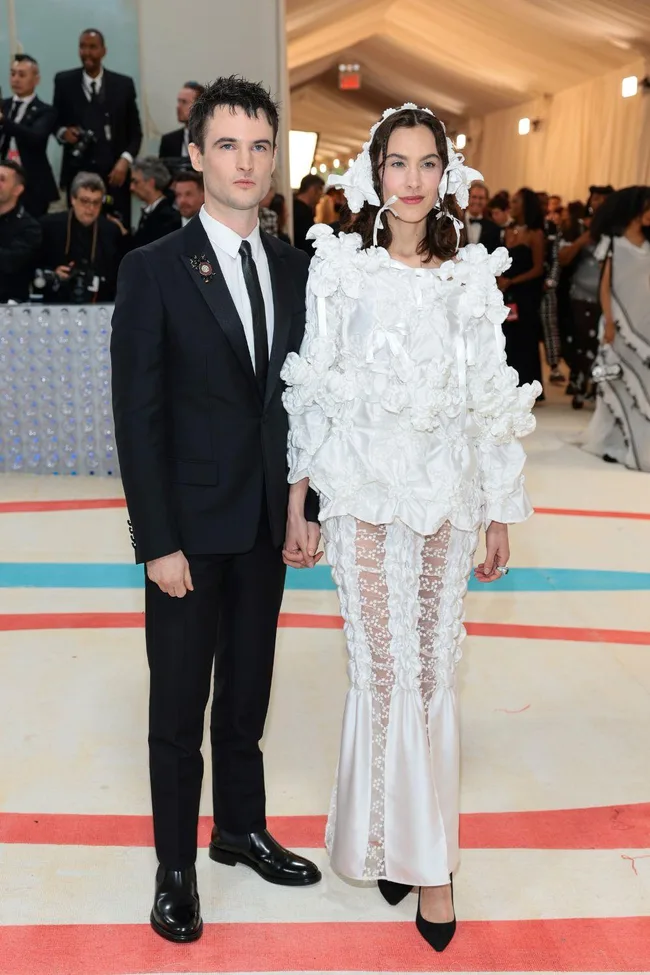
(93, 91)
(15, 108)
(259, 314)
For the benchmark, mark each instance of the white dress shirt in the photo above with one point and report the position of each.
(226, 244)
(473, 230)
(23, 104)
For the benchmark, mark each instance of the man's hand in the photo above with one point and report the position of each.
(119, 172)
(71, 135)
(498, 553)
(171, 574)
(63, 271)
(301, 542)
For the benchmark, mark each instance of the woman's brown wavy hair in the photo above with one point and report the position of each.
(440, 240)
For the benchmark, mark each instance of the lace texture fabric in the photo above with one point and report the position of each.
(401, 404)
(394, 810)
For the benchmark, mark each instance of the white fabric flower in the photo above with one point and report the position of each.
(457, 178)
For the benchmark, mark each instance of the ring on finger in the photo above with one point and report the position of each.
(503, 569)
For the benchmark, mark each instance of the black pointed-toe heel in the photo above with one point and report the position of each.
(437, 935)
(392, 892)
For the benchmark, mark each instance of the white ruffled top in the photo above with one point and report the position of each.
(401, 404)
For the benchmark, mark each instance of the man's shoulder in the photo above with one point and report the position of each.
(115, 78)
(70, 75)
(24, 222)
(171, 245)
(172, 134)
(55, 219)
(41, 105)
(296, 257)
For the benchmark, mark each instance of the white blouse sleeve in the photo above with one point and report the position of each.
(311, 375)
(501, 409)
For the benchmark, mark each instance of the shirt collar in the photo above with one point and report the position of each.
(150, 207)
(87, 80)
(226, 239)
(25, 101)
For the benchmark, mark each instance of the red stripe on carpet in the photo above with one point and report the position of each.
(594, 828)
(562, 945)
(81, 504)
(94, 504)
(315, 621)
(585, 513)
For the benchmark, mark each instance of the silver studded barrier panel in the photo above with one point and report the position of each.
(55, 390)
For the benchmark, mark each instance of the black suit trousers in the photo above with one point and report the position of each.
(228, 621)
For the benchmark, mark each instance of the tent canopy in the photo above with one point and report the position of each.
(463, 59)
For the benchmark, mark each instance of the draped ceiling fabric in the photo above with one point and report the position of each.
(481, 67)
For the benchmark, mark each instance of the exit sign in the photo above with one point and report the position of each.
(349, 77)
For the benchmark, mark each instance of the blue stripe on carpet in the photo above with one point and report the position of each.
(108, 575)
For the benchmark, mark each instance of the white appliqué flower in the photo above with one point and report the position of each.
(357, 182)
(457, 178)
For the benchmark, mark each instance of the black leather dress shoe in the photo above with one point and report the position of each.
(264, 855)
(176, 913)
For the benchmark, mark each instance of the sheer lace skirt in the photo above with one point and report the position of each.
(394, 810)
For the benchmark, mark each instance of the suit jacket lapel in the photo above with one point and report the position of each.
(216, 295)
(281, 315)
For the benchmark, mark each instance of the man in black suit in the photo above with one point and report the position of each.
(149, 180)
(203, 323)
(26, 124)
(480, 229)
(92, 99)
(174, 145)
(20, 236)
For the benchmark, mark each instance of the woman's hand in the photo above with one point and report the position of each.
(498, 553)
(502, 283)
(303, 537)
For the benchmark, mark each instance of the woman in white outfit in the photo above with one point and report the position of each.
(405, 418)
(619, 431)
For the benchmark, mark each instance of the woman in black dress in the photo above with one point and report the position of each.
(522, 285)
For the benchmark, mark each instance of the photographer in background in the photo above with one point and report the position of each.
(81, 249)
(100, 123)
(149, 181)
(26, 124)
(20, 236)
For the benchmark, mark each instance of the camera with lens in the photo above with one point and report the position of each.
(82, 283)
(85, 141)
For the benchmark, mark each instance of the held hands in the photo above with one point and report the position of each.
(301, 542)
(119, 173)
(171, 574)
(498, 553)
(63, 271)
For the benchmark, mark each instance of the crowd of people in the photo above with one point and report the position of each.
(73, 255)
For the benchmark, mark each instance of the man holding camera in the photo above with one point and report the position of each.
(81, 249)
(100, 123)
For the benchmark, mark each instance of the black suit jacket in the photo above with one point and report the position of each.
(490, 235)
(20, 240)
(160, 222)
(171, 144)
(120, 107)
(200, 450)
(32, 134)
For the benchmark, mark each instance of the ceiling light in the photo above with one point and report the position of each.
(336, 163)
(629, 86)
(323, 168)
(461, 140)
(524, 126)
(314, 171)
(350, 162)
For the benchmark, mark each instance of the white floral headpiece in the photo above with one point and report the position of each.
(358, 186)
